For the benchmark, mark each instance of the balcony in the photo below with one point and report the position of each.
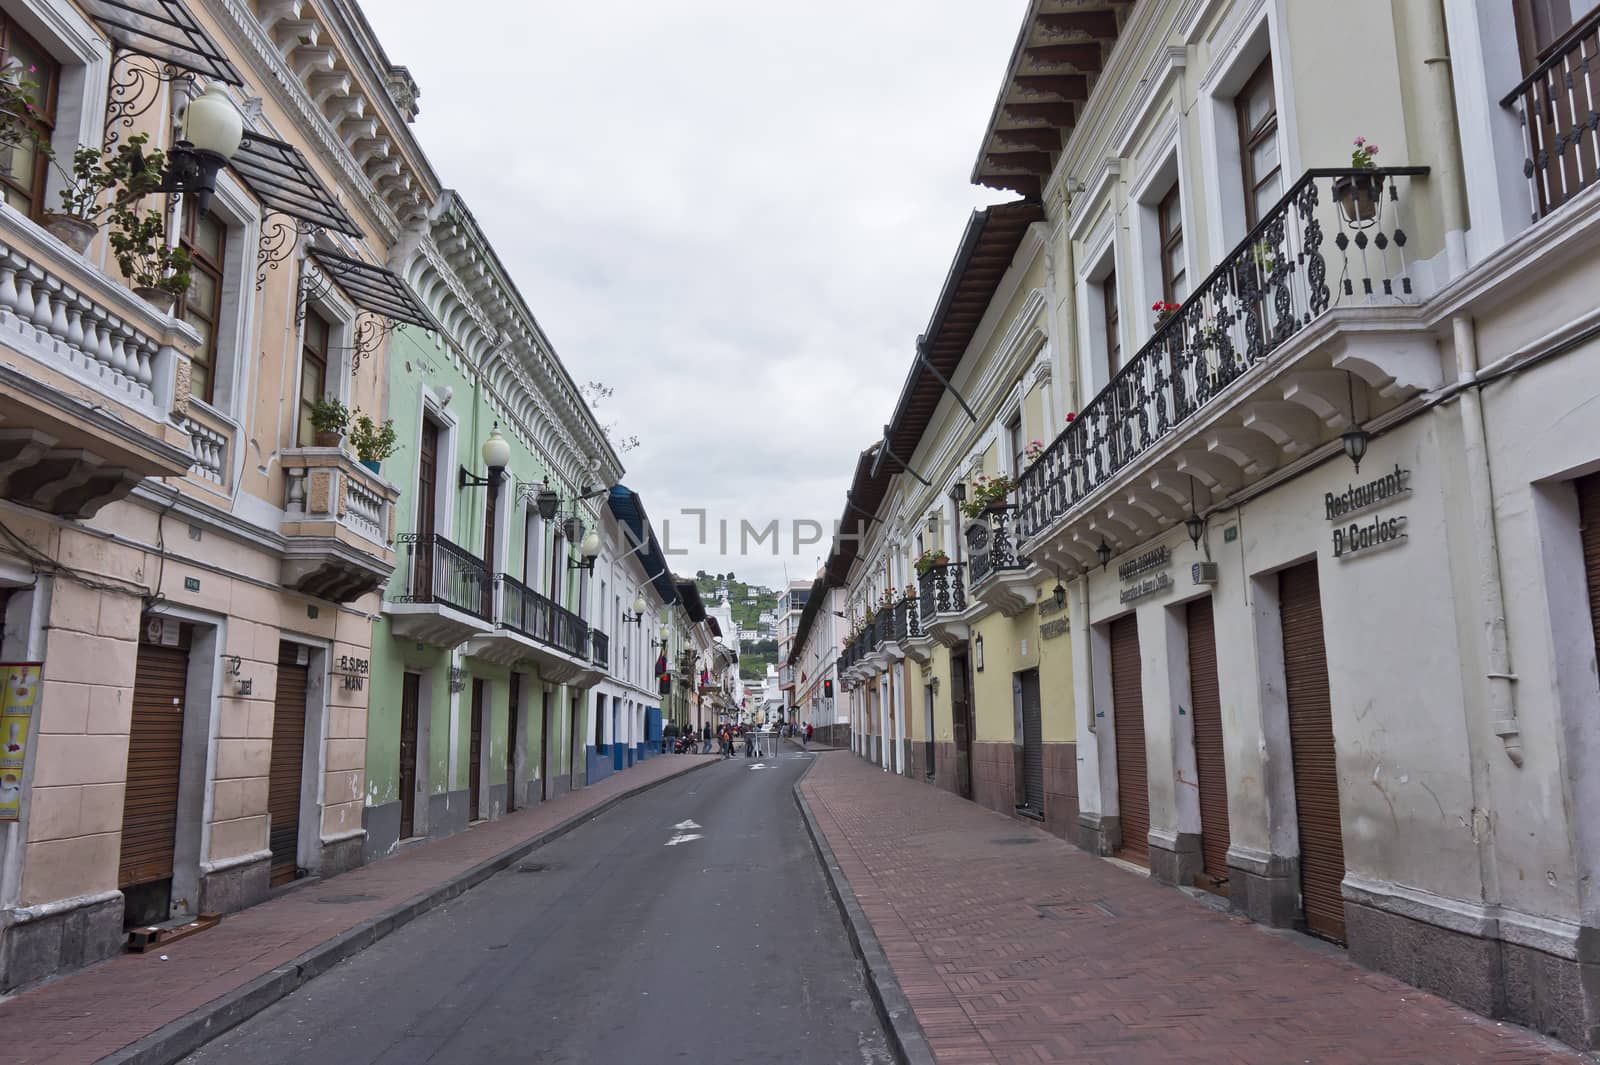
(999, 574)
(532, 629)
(1556, 105)
(600, 650)
(943, 609)
(1296, 336)
(449, 593)
(92, 380)
(336, 523)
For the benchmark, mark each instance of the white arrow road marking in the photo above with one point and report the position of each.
(682, 837)
(762, 765)
(684, 826)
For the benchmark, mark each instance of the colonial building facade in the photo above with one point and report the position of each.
(1314, 479)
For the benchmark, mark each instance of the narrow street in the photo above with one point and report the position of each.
(691, 923)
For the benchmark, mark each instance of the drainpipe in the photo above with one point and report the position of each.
(1436, 111)
(1502, 694)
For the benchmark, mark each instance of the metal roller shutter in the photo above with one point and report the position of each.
(288, 763)
(155, 750)
(1316, 778)
(1589, 528)
(1032, 743)
(1127, 715)
(1206, 710)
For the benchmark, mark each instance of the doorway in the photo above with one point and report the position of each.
(155, 748)
(1210, 765)
(513, 718)
(475, 755)
(545, 768)
(1127, 713)
(1030, 795)
(576, 744)
(410, 705)
(961, 722)
(930, 747)
(284, 773)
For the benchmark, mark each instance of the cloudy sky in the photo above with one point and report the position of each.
(736, 214)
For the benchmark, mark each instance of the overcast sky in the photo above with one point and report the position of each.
(736, 214)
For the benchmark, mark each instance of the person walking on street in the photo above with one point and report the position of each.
(705, 735)
(805, 738)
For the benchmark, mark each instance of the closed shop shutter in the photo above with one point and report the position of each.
(475, 754)
(1127, 713)
(155, 751)
(1316, 778)
(288, 762)
(1032, 743)
(1206, 711)
(1589, 525)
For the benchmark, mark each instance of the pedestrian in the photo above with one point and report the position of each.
(705, 736)
(749, 743)
(805, 738)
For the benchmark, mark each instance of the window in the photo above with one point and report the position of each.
(313, 371)
(205, 239)
(1174, 274)
(1258, 144)
(23, 174)
(1014, 443)
(1543, 24)
(1108, 300)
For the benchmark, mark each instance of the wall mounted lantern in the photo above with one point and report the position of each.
(212, 130)
(637, 617)
(1194, 523)
(1355, 438)
(588, 551)
(496, 457)
(1103, 553)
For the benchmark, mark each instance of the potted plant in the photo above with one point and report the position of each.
(1033, 452)
(1164, 312)
(18, 105)
(1357, 194)
(92, 175)
(328, 420)
(987, 493)
(373, 442)
(929, 559)
(158, 271)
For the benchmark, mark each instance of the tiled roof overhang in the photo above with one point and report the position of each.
(689, 596)
(864, 498)
(629, 509)
(1060, 52)
(987, 247)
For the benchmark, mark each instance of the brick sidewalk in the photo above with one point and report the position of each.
(87, 1015)
(1013, 946)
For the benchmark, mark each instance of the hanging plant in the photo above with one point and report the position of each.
(929, 559)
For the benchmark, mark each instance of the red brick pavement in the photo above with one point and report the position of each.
(89, 1014)
(1033, 953)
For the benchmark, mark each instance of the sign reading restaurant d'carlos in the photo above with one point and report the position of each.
(1367, 534)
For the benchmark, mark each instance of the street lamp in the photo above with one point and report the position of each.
(637, 617)
(1103, 553)
(496, 457)
(548, 501)
(212, 130)
(589, 550)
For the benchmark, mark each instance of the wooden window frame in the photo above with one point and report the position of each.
(1112, 322)
(44, 118)
(216, 269)
(308, 356)
(1171, 239)
(1252, 137)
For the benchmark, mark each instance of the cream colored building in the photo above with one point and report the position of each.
(1360, 703)
(195, 576)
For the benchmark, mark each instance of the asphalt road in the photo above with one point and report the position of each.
(612, 946)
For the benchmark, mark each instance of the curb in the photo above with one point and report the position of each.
(179, 1038)
(906, 1038)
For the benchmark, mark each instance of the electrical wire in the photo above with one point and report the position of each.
(43, 563)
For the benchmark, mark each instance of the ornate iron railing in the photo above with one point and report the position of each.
(908, 619)
(990, 546)
(572, 634)
(1270, 287)
(1557, 105)
(941, 592)
(437, 571)
(600, 649)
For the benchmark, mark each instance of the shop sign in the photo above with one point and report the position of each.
(1149, 562)
(1148, 586)
(1051, 629)
(352, 673)
(1365, 536)
(17, 700)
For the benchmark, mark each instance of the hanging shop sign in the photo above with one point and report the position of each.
(1369, 534)
(17, 700)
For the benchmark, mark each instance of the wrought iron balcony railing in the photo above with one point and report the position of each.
(941, 593)
(600, 649)
(439, 572)
(990, 545)
(907, 621)
(1557, 104)
(1269, 288)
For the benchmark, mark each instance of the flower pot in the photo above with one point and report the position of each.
(371, 464)
(70, 230)
(1357, 195)
(327, 437)
(159, 298)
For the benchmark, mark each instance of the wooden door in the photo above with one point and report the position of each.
(285, 770)
(545, 768)
(1311, 749)
(513, 716)
(1589, 530)
(1032, 743)
(155, 751)
(577, 738)
(410, 706)
(427, 490)
(1127, 713)
(961, 722)
(475, 754)
(1210, 765)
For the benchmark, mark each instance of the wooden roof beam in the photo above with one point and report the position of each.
(1097, 24)
(1048, 138)
(1070, 87)
(1087, 58)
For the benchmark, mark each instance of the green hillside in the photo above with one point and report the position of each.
(747, 614)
